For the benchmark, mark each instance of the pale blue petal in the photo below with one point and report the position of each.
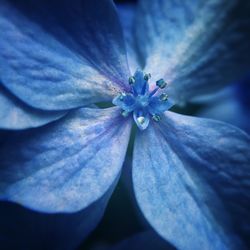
(191, 179)
(64, 166)
(15, 114)
(62, 54)
(197, 48)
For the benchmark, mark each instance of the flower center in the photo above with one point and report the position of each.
(143, 104)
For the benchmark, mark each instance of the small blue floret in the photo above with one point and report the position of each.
(144, 105)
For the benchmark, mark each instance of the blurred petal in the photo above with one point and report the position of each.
(15, 114)
(127, 14)
(21, 228)
(196, 47)
(230, 105)
(61, 54)
(65, 166)
(192, 182)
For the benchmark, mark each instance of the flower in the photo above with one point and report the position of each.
(190, 175)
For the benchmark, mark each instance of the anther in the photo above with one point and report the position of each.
(147, 76)
(125, 113)
(161, 84)
(121, 97)
(141, 119)
(156, 118)
(131, 80)
(163, 97)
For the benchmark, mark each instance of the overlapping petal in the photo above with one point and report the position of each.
(22, 228)
(127, 14)
(192, 180)
(65, 166)
(230, 105)
(198, 47)
(15, 114)
(61, 54)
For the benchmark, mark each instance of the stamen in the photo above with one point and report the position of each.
(163, 97)
(144, 87)
(125, 113)
(121, 97)
(131, 80)
(141, 102)
(141, 119)
(161, 83)
(147, 76)
(156, 118)
(153, 92)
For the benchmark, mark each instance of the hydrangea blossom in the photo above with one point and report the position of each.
(190, 175)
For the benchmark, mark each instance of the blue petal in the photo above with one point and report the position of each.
(21, 228)
(127, 14)
(125, 101)
(15, 114)
(191, 179)
(141, 118)
(65, 166)
(141, 86)
(197, 48)
(61, 54)
(229, 106)
(157, 106)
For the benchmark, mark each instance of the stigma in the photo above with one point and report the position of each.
(142, 104)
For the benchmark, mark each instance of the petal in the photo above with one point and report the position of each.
(65, 166)
(230, 105)
(125, 101)
(191, 179)
(141, 118)
(15, 114)
(196, 47)
(59, 55)
(127, 13)
(21, 228)
(157, 106)
(140, 87)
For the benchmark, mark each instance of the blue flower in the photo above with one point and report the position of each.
(57, 58)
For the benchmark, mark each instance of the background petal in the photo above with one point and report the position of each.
(21, 228)
(196, 47)
(127, 14)
(64, 166)
(231, 104)
(191, 179)
(61, 54)
(15, 114)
